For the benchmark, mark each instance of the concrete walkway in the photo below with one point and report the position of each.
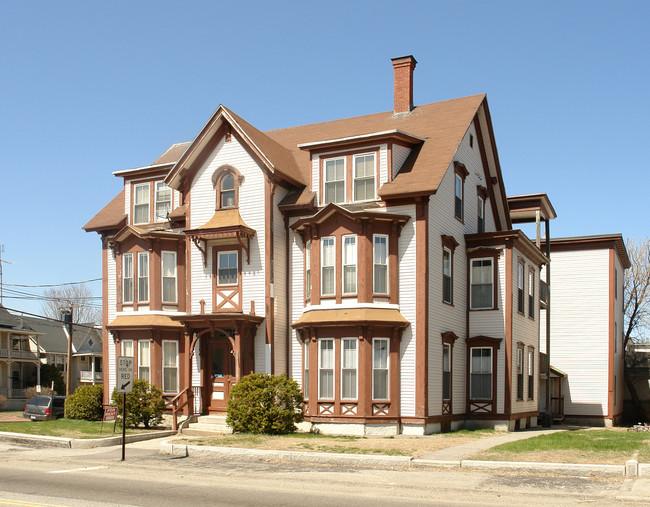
(464, 451)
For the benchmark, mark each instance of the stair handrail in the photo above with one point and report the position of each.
(176, 406)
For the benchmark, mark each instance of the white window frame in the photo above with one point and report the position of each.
(353, 255)
(386, 368)
(143, 277)
(308, 270)
(321, 369)
(471, 283)
(472, 372)
(163, 254)
(305, 373)
(350, 368)
(167, 389)
(144, 359)
(364, 178)
(127, 348)
(332, 266)
(227, 252)
(375, 264)
(326, 182)
(448, 275)
(141, 204)
(127, 276)
(161, 186)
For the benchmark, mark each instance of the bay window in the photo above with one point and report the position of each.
(127, 278)
(143, 360)
(141, 203)
(349, 264)
(143, 277)
(481, 373)
(163, 201)
(326, 368)
(168, 260)
(170, 366)
(481, 284)
(328, 266)
(380, 264)
(349, 368)
(380, 353)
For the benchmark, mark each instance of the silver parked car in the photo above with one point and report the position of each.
(44, 408)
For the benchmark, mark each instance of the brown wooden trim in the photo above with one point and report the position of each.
(217, 177)
(481, 341)
(421, 307)
(508, 341)
(504, 417)
(348, 156)
(480, 253)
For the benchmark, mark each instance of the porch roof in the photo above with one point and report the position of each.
(352, 316)
(145, 321)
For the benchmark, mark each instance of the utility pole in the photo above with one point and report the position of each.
(66, 314)
(2, 249)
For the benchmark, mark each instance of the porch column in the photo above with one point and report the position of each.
(188, 368)
(92, 369)
(10, 369)
(237, 352)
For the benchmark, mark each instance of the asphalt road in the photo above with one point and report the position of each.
(91, 477)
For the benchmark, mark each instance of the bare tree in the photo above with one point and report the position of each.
(636, 306)
(77, 295)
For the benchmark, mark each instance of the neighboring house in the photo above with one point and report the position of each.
(587, 326)
(372, 259)
(637, 359)
(19, 366)
(86, 363)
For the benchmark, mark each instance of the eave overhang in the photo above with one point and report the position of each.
(356, 216)
(513, 238)
(143, 233)
(143, 321)
(524, 208)
(374, 137)
(386, 317)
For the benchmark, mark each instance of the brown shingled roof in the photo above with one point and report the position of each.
(110, 216)
(172, 154)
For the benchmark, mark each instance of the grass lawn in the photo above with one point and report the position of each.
(69, 428)
(392, 446)
(603, 446)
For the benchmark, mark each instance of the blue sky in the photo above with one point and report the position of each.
(88, 88)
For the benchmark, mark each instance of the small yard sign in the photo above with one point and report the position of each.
(124, 382)
(110, 414)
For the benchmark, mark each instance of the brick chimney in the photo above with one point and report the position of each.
(403, 94)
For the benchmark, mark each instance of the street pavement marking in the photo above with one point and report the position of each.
(82, 469)
(28, 504)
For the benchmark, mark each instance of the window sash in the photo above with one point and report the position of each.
(380, 354)
(481, 214)
(328, 266)
(364, 177)
(482, 292)
(520, 288)
(531, 378)
(127, 348)
(531, 294)
(446, 372)
(349, 366)
(446, 275)
(143, 360)
(163, 200)
(326, 368)
(170, 366)
(308, 270)
(305, 376)
(481, 373)
(458, 209)
(227, 268)
(143, 277)
(520, 374)
(168, 261)
(141, 203)
(127, 278)
(380, 264)
(349, 264)
(334, 180)
(227, 191)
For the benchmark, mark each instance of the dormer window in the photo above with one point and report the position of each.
(334, 180)
(163, 201)
(349, 177)
(364, 177)
(141, 203)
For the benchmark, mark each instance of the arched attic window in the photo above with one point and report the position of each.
(226, 181)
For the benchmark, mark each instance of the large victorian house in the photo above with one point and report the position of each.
(372, 259)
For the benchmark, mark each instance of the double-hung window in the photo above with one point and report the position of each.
(141, 203)
(364, 177)
(446, 275)
(480, 373)
(349, 367)
(127, 348)
(170, 366)
(143, 277)
(328, 266)
(168, 277)
(227, 268)
(163, 201)
(446, 371)
(143, 360)
(531, 379)
(520, 374)
(520, 288)
(349, 264)
(127, 278)
(334, 180)
(380, 353)
(380, 263)
(458, 201)
(227, 191)
(481, 214)
(308, 270)
(326, 368)
(481, 284)
(305, 375)
(531, 294)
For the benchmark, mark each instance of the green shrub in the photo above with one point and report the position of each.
(144, 405)
(263, 403)
(85, 403)
(49, 374)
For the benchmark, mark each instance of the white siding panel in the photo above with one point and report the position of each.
(112, 367)
(400, 154)
(127, 200)
(297, 274)
(383, 164)
(280, 284)
(261, 365)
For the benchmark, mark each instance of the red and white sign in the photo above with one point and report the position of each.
(110, 414)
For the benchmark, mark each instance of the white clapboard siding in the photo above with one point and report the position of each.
(297, 275)
(400, 153)
(127, 200)
(201, 279)
(112, 367)
(407, 281)
(580, 328)
(280, 284)
(619, 352)
(383, 164)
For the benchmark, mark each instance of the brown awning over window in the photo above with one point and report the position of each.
(351, 317)
(146, 321)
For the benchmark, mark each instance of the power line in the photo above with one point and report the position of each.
(52, 284)
(44, 317)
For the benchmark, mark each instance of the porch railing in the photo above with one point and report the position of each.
(12, 393)
(176, 405)
(18, 354)
(198, 400)
(87, 376)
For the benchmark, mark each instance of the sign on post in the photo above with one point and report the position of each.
(110, 414)
(124, 383)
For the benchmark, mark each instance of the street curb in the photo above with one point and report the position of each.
(185, 450)
(78, 443)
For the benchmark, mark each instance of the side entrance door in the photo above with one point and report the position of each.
(221, 363)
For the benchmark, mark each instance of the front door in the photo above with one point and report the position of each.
(221, 373)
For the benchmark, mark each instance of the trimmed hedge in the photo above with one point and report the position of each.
(263, 403)
(144, 405)
(85, 403)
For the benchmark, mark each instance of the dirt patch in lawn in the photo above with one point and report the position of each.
(393, 446)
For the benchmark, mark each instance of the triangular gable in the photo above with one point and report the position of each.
(271, 155)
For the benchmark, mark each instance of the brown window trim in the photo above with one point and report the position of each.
(449, 243)
(531, 350)
(480, 253)
(531, 287)
(448, 339)
(348, 156)
(521, 264)
(483, 341)
(461, 171)
(217, 177)
(520, 347)
(215, 287)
